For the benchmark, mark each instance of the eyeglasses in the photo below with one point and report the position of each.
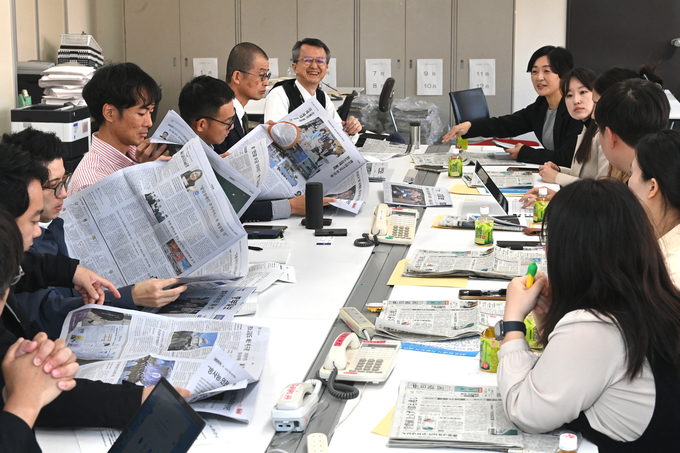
(228, 123)
(17, 277)
(63, 184)
(263, 77)
(308, 61)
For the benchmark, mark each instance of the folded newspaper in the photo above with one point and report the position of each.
(432, 320)
(468, 222)
(322, 153)
(207, 357)
(445, 415)
(158, 219)
(503, 179)
(495, 262)
(490, 158)
(413, 195)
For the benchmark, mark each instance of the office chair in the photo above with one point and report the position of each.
(469, 105)
(343, 111)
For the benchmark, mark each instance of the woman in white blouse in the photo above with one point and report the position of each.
(609, 318)
(589, 161)
(655, 179)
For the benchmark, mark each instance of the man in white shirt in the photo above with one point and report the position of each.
(310, 63)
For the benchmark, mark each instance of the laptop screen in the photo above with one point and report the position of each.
(492, 188)
(164, 423)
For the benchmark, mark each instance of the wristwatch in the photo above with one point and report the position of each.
(503, 327)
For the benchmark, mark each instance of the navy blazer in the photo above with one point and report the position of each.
(235, 134)
(531, 119)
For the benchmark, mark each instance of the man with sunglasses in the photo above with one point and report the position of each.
(48, 307)
(310, 63)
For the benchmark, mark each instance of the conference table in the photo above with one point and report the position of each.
(303, 322)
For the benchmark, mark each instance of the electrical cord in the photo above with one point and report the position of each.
(330, 435)
(338, 390)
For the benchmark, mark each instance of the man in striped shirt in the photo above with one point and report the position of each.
(121, 98)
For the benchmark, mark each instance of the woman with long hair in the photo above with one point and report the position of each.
(655, 179)
(609, 318)
(589, 161)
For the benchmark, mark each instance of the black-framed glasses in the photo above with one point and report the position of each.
(308, 61)
(266, 76)
(63, 184)
(17, 277)
(227, 123)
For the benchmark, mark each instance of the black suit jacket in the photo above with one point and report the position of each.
(235, 134)
(531, 119)
(91, 403)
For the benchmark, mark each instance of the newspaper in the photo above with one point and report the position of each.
(384, 150)
(493, 158)
(376, 171)
(503, 179)
(240, 190)
(323, 153)
(413, 195)
(205, 356)
(495, 262)
(158, 219)
(468, 222)
(222, 303)
(432, 320)
(444, 415)
(433, 159)
(351, 193)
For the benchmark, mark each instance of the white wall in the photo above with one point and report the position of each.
(7, 81)
(537, 24)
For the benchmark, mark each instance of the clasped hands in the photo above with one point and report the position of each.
(520, 300)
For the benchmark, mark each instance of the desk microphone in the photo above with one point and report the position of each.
(314, 206)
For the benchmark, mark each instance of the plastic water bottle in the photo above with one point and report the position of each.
(568, 443)
(455, 165)
(484, 228)
(540, 204)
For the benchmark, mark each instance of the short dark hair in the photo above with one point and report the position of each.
(310, 42)
(658, 156)
(560, 59)
(241, 58)
(203, 96)
(615, 75)
(632, 109)
(44, 147)
(16, 173)
(11, 250)
(604, 258)
(122, 85)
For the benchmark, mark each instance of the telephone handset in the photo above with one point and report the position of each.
(394, 225)
(296, 405)
(362, 361)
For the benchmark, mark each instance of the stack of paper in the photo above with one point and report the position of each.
(64, 83)
(82, 49)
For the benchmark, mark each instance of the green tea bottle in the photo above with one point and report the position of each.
(568, 443)
(540, 204)
(484, 228)
(455, 165)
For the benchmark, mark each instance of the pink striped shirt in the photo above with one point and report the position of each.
(101, 161)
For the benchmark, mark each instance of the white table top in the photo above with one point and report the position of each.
(675, 106)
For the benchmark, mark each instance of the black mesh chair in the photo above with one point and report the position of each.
(343, 111)
(469, 105)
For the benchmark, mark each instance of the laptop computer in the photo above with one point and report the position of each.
(164, 423)
(510, 208)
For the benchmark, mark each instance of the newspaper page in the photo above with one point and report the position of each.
(444, 415)
(158, 219)
(468, 222)
(383, 150)
(251, 161)
(413, 195)
(503, 179)
(431, 320)
(495, 262)
(433, 159)
(240, 191)
(222, 303)
(493, 158)
(323, 153)
(351, 193)
(269, 250)
(377, 171)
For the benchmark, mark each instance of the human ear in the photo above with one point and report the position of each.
(108, 111)
(653, 189)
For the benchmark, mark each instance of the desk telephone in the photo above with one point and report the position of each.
(362, 361)
(394, 225)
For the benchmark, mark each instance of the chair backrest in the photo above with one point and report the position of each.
(343, 111)
(469, 105)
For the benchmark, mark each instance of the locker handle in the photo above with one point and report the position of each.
(398, 64)
(462, 64)
(186, 62)
(174, 61)
(410, 64)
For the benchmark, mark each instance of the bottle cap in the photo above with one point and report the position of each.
(455, 151)
(543, 192)
(484, 210)
(568, 442)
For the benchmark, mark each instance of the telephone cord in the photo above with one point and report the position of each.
(341, 391)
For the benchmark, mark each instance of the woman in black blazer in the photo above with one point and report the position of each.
(547, 117)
